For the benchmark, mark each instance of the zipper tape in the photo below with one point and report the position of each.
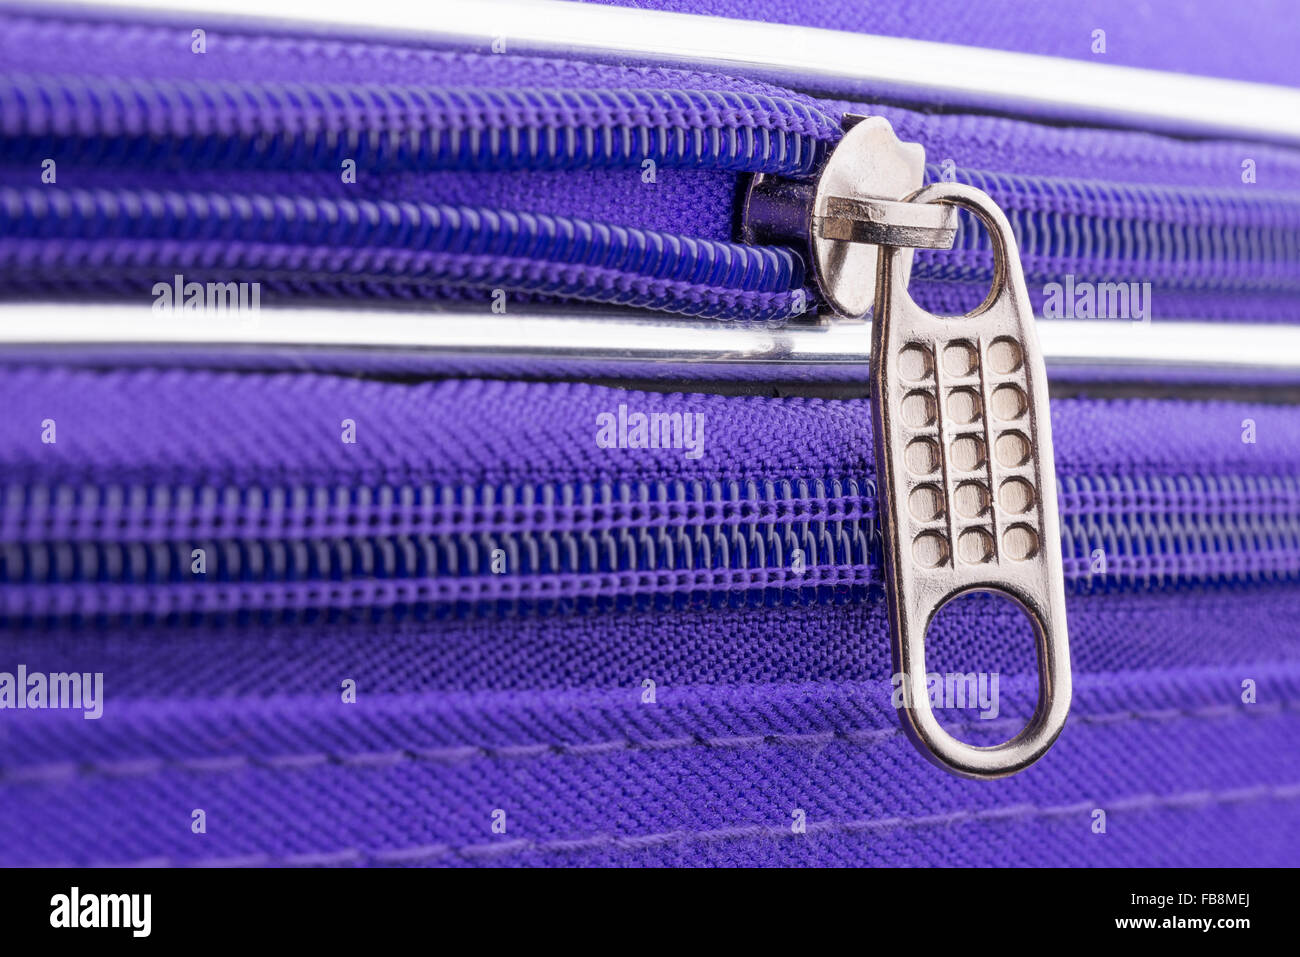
(806, 57)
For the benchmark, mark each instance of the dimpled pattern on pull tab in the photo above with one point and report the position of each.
(976, 427)
(964, 455)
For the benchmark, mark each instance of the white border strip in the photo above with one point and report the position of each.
(1101, 344)
(807, 57)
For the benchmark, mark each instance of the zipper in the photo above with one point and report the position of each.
(962, 434)
(1218, 253)
(862, 217)
(849, 203)
(837, 61)
(114, 235)
(197, 125)
(291, 552)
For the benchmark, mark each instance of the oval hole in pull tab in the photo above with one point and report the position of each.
(987, 512)
(944, 707)
(981, 656)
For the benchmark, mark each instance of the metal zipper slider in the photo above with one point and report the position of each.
(966, 480)
(966, 483)
(837, 219)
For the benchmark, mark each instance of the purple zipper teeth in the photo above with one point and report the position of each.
(81, 236)
(1180, 237)
(82, 263)
(364, 228)
(126, 551)
(160, 513)
(329, 597)
(368, 102)
(1184, 493)
(197, 124)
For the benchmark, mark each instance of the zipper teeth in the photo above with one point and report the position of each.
(127, 550)
(107, 234)
(208, 123)
(363, 227)
(1192, 239)
(294, 270)
(1160, 530)
(1182, 237)
(1177, 238)
(157, 513)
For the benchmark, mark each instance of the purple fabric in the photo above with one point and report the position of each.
(285, 427)
(1243, 41)
(765, 703)
(602, 778)
(759, 710)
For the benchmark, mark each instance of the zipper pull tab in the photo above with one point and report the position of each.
(965, 474)
(966, 484)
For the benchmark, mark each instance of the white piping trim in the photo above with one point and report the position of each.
(1099, 344)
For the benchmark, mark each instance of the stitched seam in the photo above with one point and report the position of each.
(66, 771)
(1014, 813)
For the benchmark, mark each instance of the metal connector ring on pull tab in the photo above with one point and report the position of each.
(947, 548)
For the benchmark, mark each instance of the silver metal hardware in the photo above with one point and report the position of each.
(963, 446)
(966, 482)
(888, 223)
(838, 220)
